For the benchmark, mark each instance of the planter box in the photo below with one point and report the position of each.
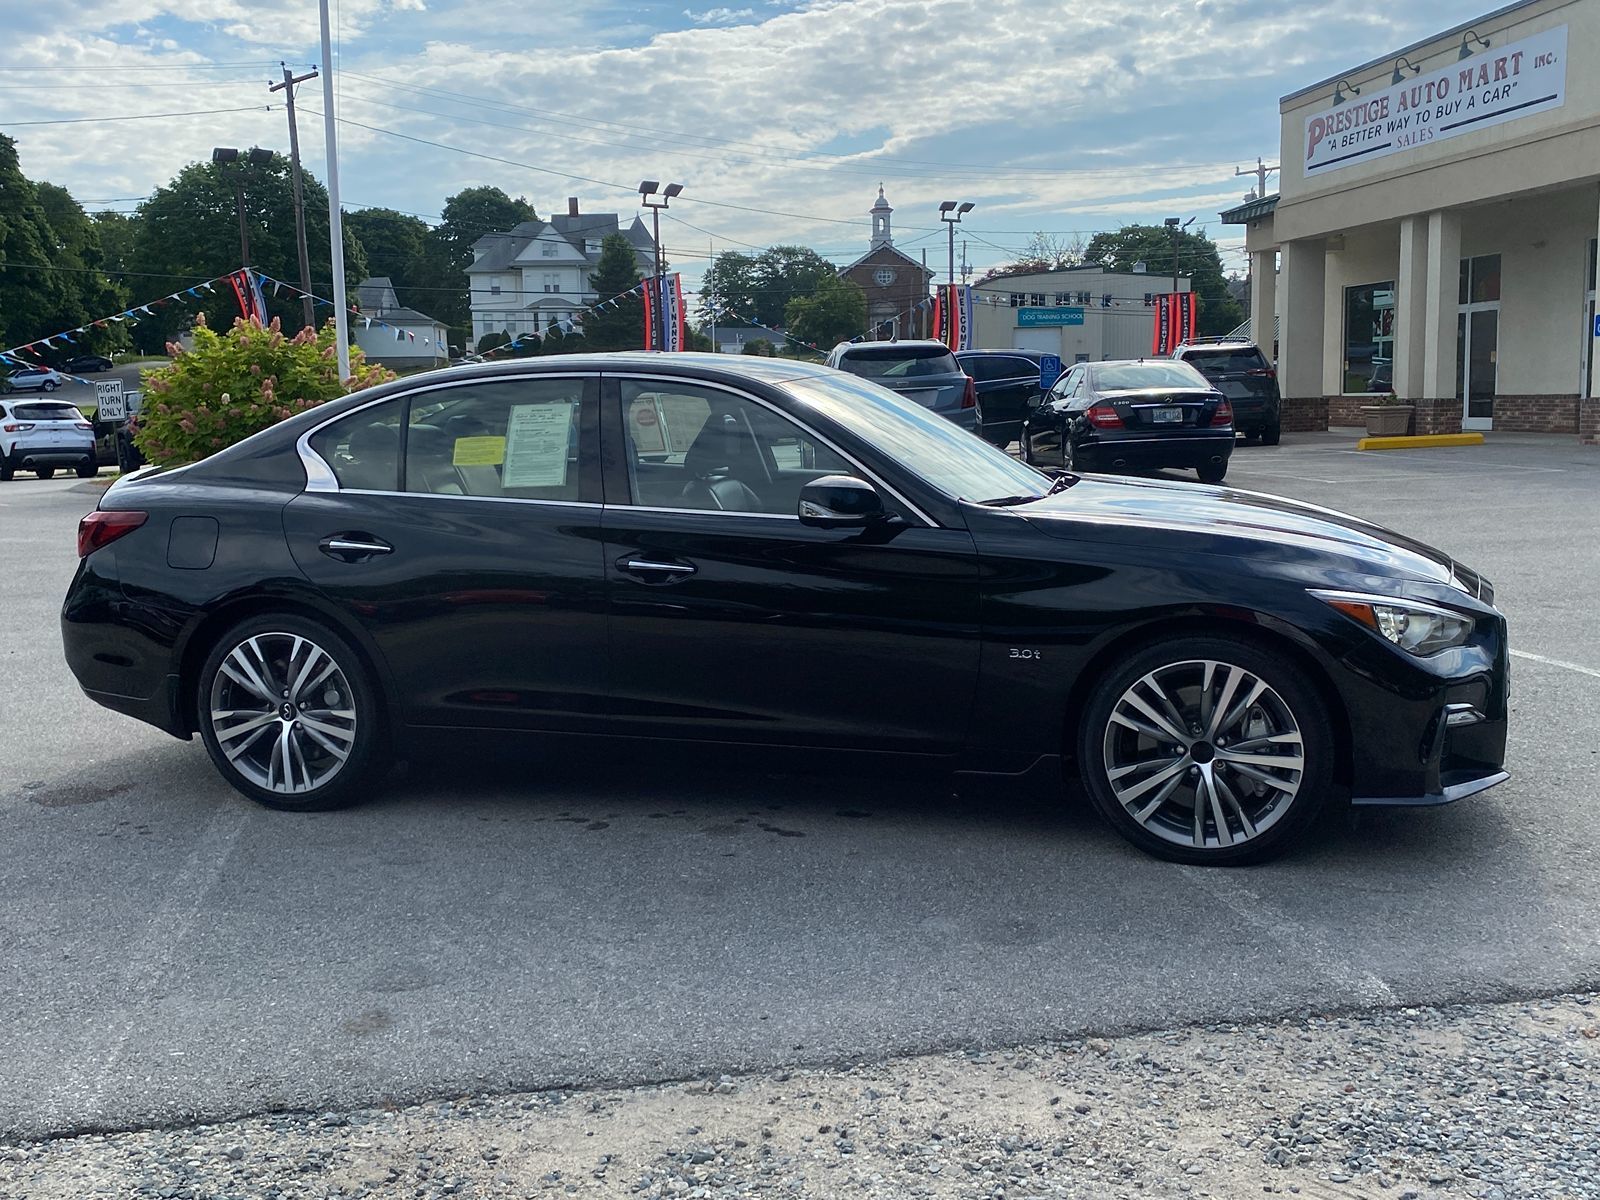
(1387, 420)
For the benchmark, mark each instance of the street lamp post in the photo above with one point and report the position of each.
(255, 157)
(654, 197)
(951, 212)
(1175, 228)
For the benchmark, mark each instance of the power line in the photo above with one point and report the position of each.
(207, 112)
(176, 66)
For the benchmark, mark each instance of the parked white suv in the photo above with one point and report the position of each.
(41, 435)
(35, 379)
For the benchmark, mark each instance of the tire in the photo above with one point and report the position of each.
(1212, 472)
(271, 650)
(1262, 819)
(1271, 434)
(1027, 446)
(44, 472)
(8, 472)
(89, 469)
(49, 385)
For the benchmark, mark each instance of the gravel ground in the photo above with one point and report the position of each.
(1490, 1101)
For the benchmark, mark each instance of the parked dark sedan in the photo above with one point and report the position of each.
(86, 364)
(1132, 415)
(1007, 384)
(756, 551)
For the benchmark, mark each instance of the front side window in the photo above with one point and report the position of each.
(687, 446)
(1368, 334)
(505, 439)
(363, 449)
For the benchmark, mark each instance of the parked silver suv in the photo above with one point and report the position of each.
(41, 435)
(923, 371)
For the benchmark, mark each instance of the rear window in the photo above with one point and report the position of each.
(45, 412)
(1116, 377)
(900, 362)
(1235, 360)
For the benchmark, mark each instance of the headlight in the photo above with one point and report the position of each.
(1417, 628)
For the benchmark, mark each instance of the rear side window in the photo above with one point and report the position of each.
(900, 362)
(364, 448)
(47, 412)
(1235, 360)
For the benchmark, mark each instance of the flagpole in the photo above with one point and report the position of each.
(335, 218)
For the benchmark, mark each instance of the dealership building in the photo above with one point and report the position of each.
(1435, 228)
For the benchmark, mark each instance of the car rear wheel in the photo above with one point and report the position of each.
(8, 472)
(289, 714)
(1212, 472)
(89, 468)
(1270, 435)
(44, 472)
(1207, 750)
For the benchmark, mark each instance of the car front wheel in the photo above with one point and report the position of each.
(1207, 750)
(289, 714)
(49, 385)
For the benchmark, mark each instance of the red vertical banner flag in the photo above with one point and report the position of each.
(1176, 318)
(663, 301)
(952, 315)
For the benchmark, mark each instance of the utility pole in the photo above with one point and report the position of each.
(1260, 171)
(965, 269)
(287, 88)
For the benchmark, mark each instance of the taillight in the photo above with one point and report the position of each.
(969, 395)
(83, 425)
(1223, 415)
(17, 428)
(1103, 416)
(102, 528)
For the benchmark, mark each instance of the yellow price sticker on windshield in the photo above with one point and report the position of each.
(479, 452)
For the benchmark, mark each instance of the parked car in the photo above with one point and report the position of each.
(86, 364)
(1131, 415)
(1007, 383)
(924, 372)
(729, 549)
(41, 435)
(1241, 373)
(35, 379)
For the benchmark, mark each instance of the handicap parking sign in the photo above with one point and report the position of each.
(1050, 367)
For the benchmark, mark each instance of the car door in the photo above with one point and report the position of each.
(460, 526)
(1047, 421)
(1013, 382)
(732, 621)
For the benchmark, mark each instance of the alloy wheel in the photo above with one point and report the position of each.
(283, 712)
(1204, 754)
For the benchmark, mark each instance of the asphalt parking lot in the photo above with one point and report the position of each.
(508, 919)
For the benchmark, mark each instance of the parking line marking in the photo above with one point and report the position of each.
(1556, 662)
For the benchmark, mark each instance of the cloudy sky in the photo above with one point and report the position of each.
(780, 117)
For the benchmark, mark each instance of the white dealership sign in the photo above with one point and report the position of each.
(1493, 86)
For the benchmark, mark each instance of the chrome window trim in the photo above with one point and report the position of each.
(453, 496)
(743, 395)
(319, 474)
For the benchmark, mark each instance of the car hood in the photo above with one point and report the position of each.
(1124, 509)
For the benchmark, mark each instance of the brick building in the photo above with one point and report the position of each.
(894, 282)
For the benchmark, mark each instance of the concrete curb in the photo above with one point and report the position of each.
(1420, 441)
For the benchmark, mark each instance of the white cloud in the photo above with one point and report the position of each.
(719, 16)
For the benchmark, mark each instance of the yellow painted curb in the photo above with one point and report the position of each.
(1420, 442)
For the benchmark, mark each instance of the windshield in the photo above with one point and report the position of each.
(900, 362)
(952, 460)
(1127, 376)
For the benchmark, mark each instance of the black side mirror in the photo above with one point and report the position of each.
(839, 502)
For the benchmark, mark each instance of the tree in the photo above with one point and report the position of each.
(396, 245)
(85, 294)
(441, 276)
(1044, 252)
(489, 341)
(619, 326)
(760, 286)
(238, 383)
(187, 230)
(759, 347)
(1197, 258)
(834, 311)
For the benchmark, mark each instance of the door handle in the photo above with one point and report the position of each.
(645, 566)
(353, 547)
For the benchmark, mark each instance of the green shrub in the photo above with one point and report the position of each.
(238, 383)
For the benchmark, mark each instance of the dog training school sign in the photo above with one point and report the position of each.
(1493, 86)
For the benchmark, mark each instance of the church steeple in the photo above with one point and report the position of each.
(881, 236)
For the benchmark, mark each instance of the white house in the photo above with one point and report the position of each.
(399, 338)
(531, 277)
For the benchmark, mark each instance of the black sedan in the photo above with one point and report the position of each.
(756, 551)
(86, 364)
(1132, 415)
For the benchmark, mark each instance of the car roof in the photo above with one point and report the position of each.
(1224, 344)
(898, 343)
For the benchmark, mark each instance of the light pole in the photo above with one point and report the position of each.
(1175, 228)
(654, 197)
(255, 157)
(951, 212)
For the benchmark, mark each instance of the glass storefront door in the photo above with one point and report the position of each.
(1478, 340)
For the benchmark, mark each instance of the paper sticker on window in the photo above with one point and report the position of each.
(538, 437)
(646, 426)
(479, 452)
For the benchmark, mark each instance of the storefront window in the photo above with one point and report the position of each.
(1369, 337)
(1480, 279)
